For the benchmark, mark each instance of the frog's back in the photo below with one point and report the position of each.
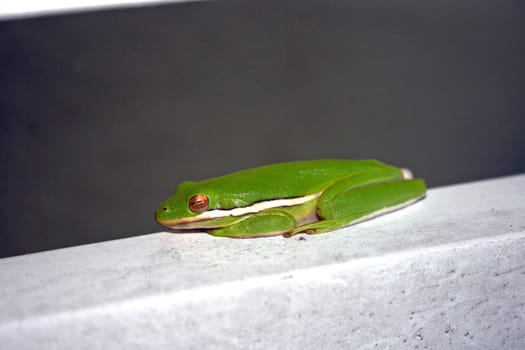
(330, 167)
(291, 179)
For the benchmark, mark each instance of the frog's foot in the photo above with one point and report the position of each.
(318, 227)
(362, 203)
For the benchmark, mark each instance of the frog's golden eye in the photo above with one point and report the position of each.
(198, 203)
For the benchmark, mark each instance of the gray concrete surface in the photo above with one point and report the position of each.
(445, 273)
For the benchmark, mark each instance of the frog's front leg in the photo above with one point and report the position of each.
(361, 197)
(269, 222)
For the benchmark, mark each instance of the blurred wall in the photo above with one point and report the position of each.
(103, 113)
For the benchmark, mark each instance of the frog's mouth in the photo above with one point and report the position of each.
(216, 218)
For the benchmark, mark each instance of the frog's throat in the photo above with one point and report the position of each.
(193, 222)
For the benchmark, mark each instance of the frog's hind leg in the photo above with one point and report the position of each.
(271, 222)
(361, 197)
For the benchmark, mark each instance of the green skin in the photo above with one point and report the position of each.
(288, 198)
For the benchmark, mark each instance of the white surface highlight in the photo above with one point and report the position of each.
(448, 272)
(10, 9)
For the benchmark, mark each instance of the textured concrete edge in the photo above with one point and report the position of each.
(317, 274)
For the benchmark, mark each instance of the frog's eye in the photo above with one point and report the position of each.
(198, 203)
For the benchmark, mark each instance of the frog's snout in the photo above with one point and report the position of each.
(163, 212)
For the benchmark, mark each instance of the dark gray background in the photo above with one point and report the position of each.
(103, 113)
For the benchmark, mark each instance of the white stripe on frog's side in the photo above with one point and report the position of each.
(407, 174)
(192, 222)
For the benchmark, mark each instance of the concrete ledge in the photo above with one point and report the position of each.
(448, 272)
